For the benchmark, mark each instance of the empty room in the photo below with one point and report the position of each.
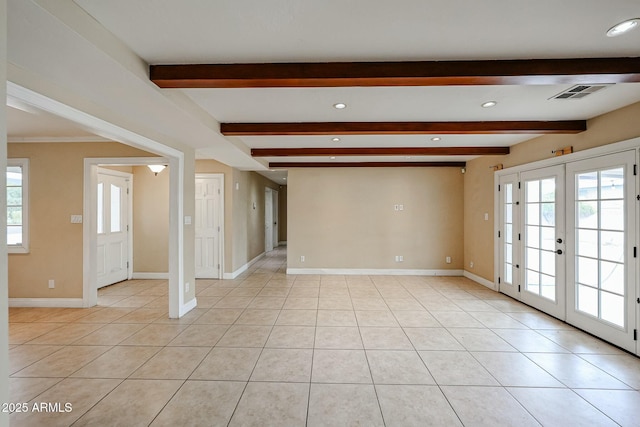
(302, 213)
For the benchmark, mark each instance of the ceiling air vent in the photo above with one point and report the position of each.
(579, 91)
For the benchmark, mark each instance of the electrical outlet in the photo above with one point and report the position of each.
(301, 258)
(471, 264)
(187, 287)
(448, 260)
(399, 258)
(52, 284)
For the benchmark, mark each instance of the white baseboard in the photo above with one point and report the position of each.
(187, 307)
(488, 283)
(231, 276)
(282, 243)
(150, 276)
(47, 302)
(374, 272)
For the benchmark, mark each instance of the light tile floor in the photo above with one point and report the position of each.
(269, 349)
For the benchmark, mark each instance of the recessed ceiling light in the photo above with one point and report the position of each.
(336, 139)
(332, 158)
(340, 105)
(489, 104)
(408, 157)
(623, 27)
(436, 138)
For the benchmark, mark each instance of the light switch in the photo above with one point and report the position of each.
(76, 219)
(486, 216)
(187, 220)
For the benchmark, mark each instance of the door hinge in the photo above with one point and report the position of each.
(498, 187)
(218, 229)
(518, 185)
(635, 169)
(127, 190)
(498, 279)
(638, 197)
(519, 236)
(498, 234)
(635, 252)
(638, 300)
(635, 335)
(127, 264)
(518, 288)
(218, 191)
(127, 227)
(218, 266)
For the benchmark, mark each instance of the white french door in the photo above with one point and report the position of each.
(509, 279)
(112, 227)
(208, 227)
(542, 236)
(601, 217)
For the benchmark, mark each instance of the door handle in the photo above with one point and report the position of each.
(559, 251)
(559, 240)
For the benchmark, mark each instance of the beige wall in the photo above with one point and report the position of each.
(56, 175)
(282, 213)
(4, 322)
(150, 220)
(612, 127)
(345, 218)
(248, 216)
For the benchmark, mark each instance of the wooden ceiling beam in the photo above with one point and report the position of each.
(378, 151)
(289, 165)
(408, 73)
(404, 128)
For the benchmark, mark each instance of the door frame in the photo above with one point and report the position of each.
(612, 148)
(174, 157)
(221, 223)
(129, 196)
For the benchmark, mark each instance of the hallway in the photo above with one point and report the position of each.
(272, 349)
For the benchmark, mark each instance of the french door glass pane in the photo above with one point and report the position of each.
(600, 244)
(540, 219)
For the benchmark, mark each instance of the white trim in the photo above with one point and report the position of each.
(231, 276)
(55, 139)
(481, 280)
(374, 272)
(47, 302)
(219, 176)
(187, 307)
(150, 276)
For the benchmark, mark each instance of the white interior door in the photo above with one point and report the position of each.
(601, 270)
(113, 227)
(542, 272)
(208, 227)
(268, 220)
(508, 236)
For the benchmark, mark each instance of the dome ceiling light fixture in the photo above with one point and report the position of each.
(623, 27)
